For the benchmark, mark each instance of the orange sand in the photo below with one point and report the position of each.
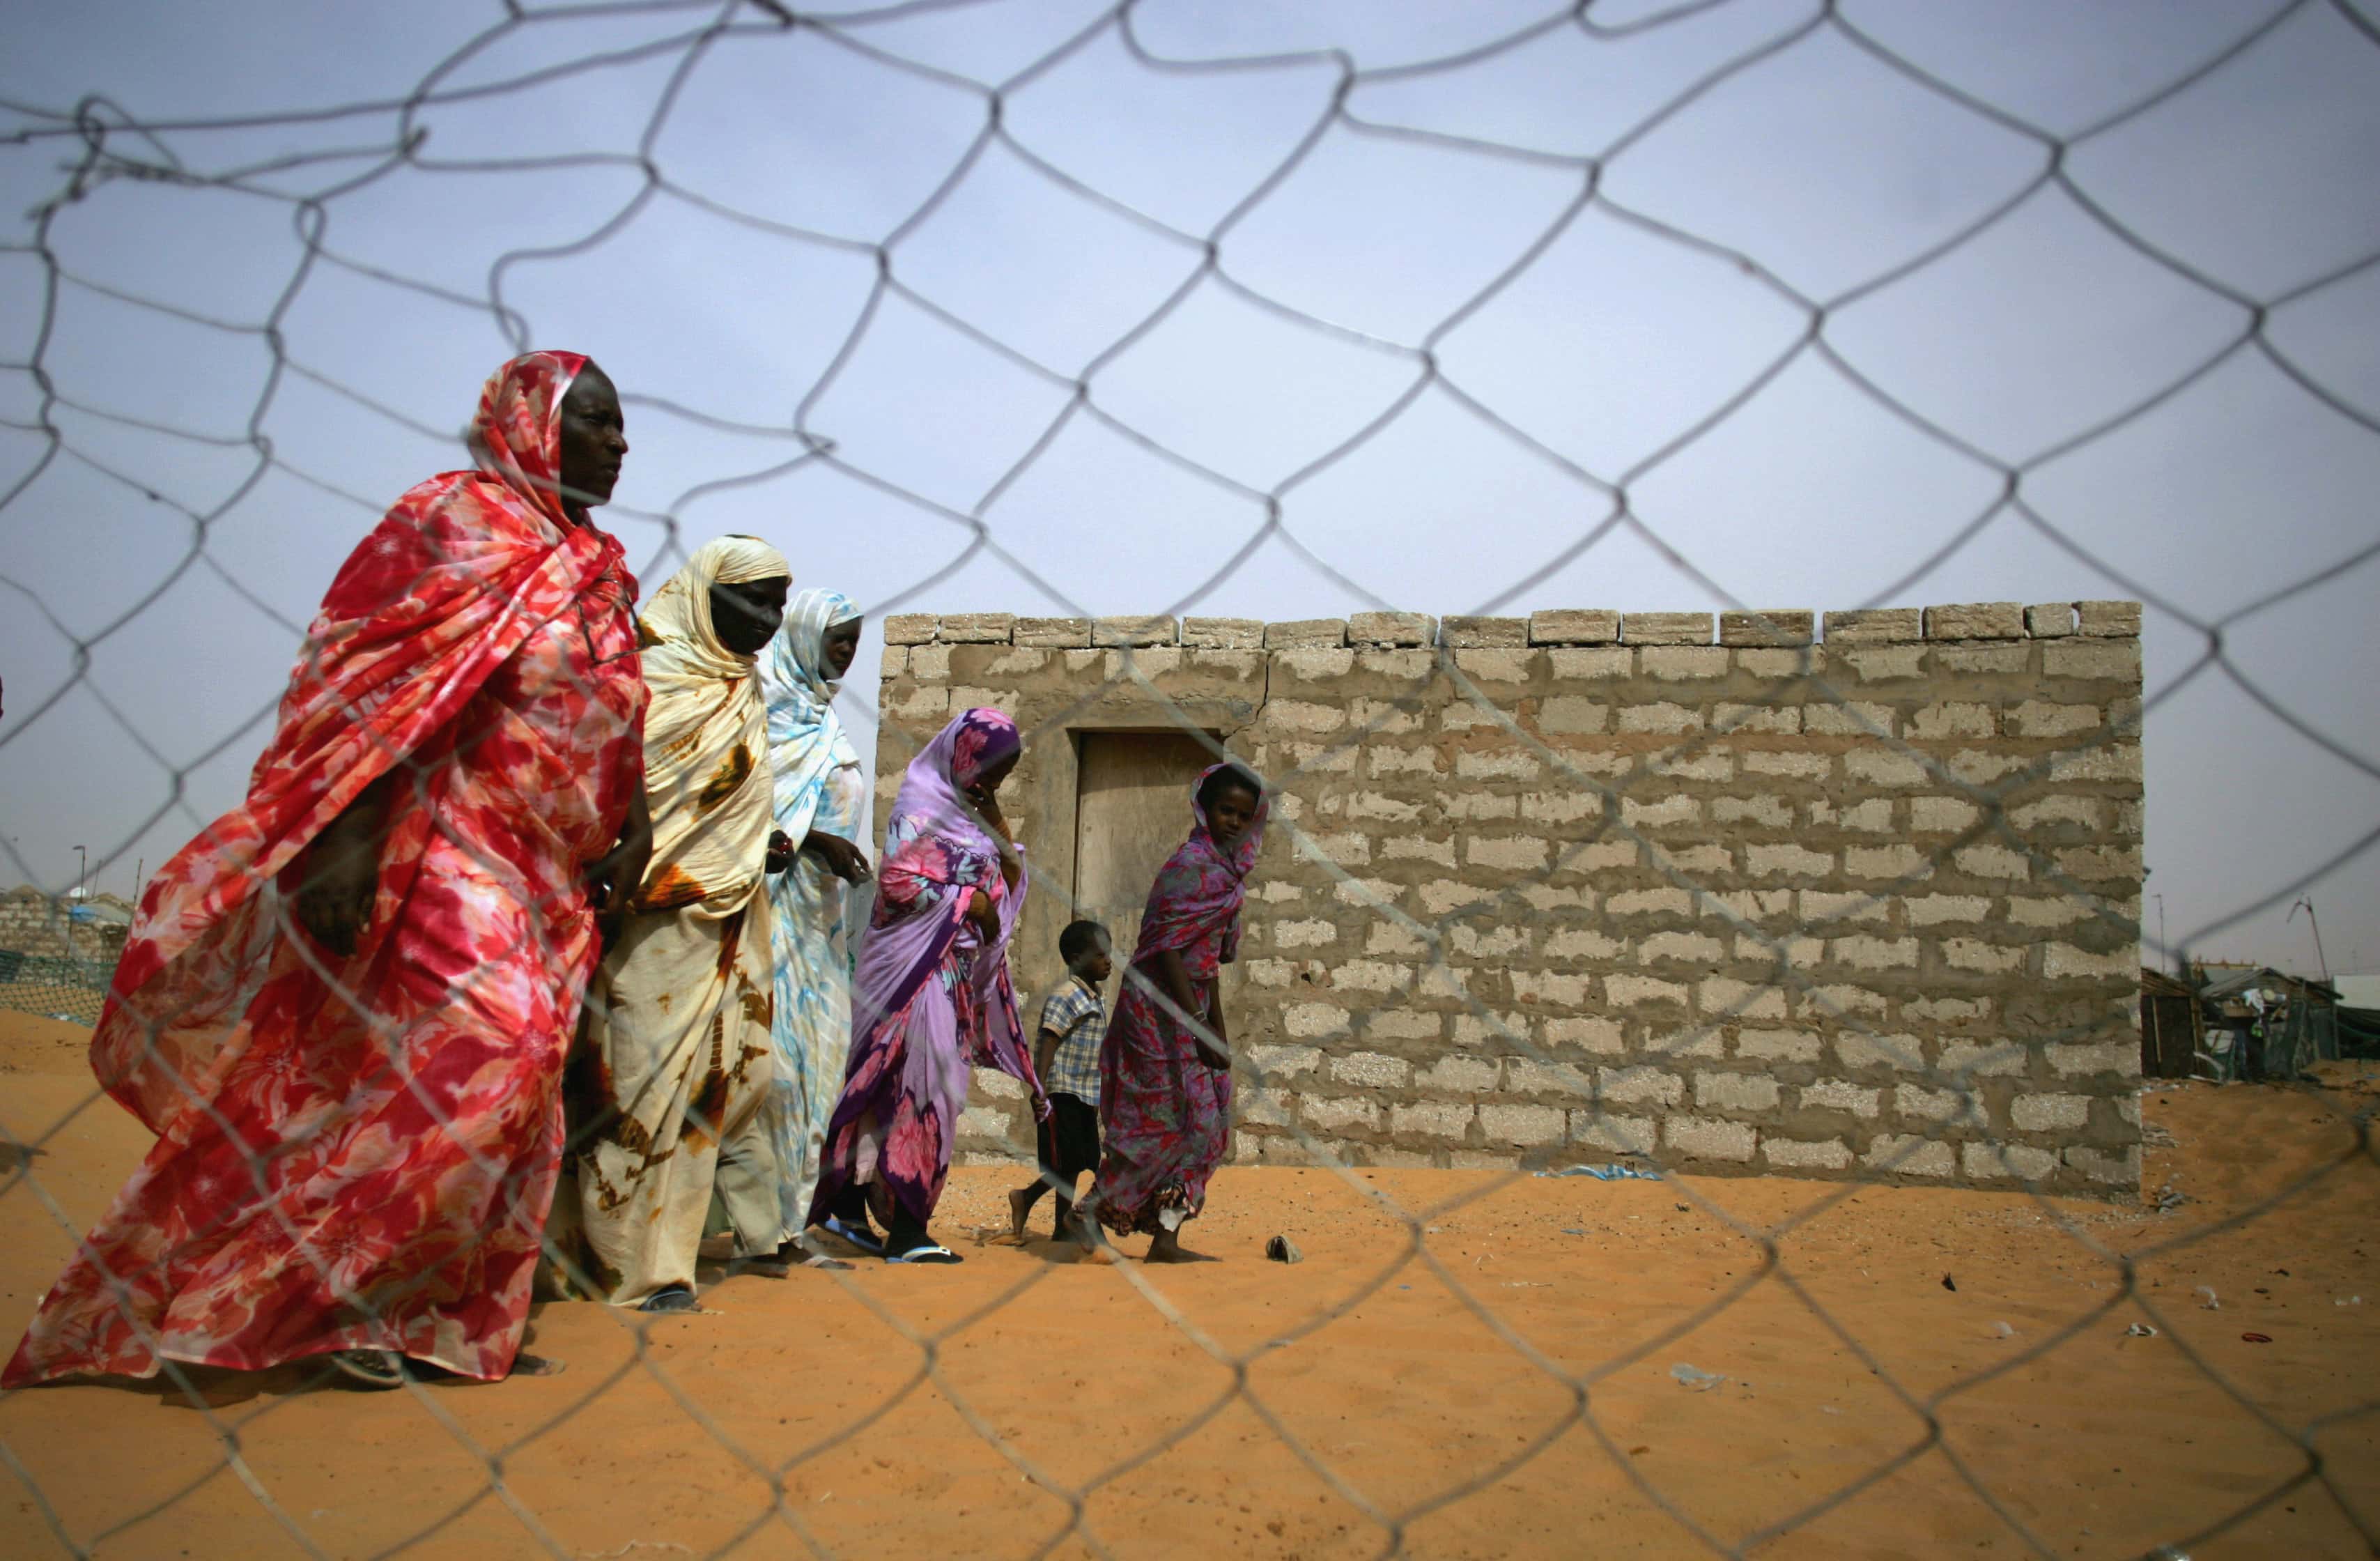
(1425, 1393)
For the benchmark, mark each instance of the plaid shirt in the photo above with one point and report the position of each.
(1076, 1013)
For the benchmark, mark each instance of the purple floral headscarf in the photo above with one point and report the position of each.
(933, 790)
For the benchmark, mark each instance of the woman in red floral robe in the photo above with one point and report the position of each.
(344, 1008)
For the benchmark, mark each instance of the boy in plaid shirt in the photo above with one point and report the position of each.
(1067, 1058)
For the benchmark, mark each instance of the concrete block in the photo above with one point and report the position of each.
(1698, 1138)
(1833, 1095)
(2108, 620)
(1787, 861)
(1774, 626)
(1223, 634)
(1856, 1051)
(1906, 1155)
(1621, 1135)
(2120, 1059)
(2063, 961)
(1640, 1086)
(1499, 665)
(2051, 620)
(1736, 1091)
(1776, 1046)
(1522, 1125)
(1941, 815)
(1459, 1075)
(2098, 660)
(1280, 1062)
(1659, 716)
(1806, 1154)
(1574, 626)
(908, 628)
(1952, 718)
(1976, 620)
(1879, 664)
(2049, 1114)
(1682, 664)
(1338, 1115)
(1981, 1059)
(1304, 632)
(895, 662)
(1665, 629)
(1601, 1036)
(1992, 861)
(1307, 1020)
(1371, 1069)
(1390, 628)
(1874, 626)
(1632, 991)
(1523, 1077)
(1065, 634)
(1609, 661)
(975, 629)
(1568, 713)
(1990, 1162)
(1913, 1103)
(1431, 1119)
(1475, 633)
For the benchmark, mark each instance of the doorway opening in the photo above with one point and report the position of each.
(1132, 808)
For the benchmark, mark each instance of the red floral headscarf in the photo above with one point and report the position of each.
(516, 433)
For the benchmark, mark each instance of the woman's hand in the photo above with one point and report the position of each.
(780, 852)
(614, 877)
(340, 874)
(983, 912)
(842, 858)
(985, 802)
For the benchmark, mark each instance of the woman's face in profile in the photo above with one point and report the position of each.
(839, 646)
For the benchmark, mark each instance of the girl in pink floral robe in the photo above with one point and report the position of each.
(1165, 1071)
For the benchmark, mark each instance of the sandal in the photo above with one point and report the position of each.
(768, 1265)
(670, 1298)
(927, 1252)
(378, 1369)
(859, 1235)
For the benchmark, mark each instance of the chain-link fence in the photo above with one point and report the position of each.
(1088, 1452)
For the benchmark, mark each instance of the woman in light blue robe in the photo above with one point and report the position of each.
(820, 795)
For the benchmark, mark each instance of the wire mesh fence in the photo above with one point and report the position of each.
(1430, 669)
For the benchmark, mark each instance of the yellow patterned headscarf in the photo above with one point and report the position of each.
(706, 738)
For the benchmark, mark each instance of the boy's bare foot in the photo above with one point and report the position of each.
(1020, 1209)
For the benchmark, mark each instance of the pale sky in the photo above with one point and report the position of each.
(195, 501)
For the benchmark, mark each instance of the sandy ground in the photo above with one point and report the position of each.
(1370, 1393)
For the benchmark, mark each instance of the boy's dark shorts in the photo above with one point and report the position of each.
(1070, 1140)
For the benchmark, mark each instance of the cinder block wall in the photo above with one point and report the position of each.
(32, 922)
(1544, 890)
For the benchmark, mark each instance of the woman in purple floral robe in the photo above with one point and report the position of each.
(1165, 1073)
(930, 993)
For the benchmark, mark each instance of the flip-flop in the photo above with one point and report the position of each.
(860, 1236)
(676, 1298)
(932, 1252)
(380, 1368)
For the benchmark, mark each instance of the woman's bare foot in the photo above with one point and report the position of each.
(528, 1365)
(1020, 1209)
(1166, 1247)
